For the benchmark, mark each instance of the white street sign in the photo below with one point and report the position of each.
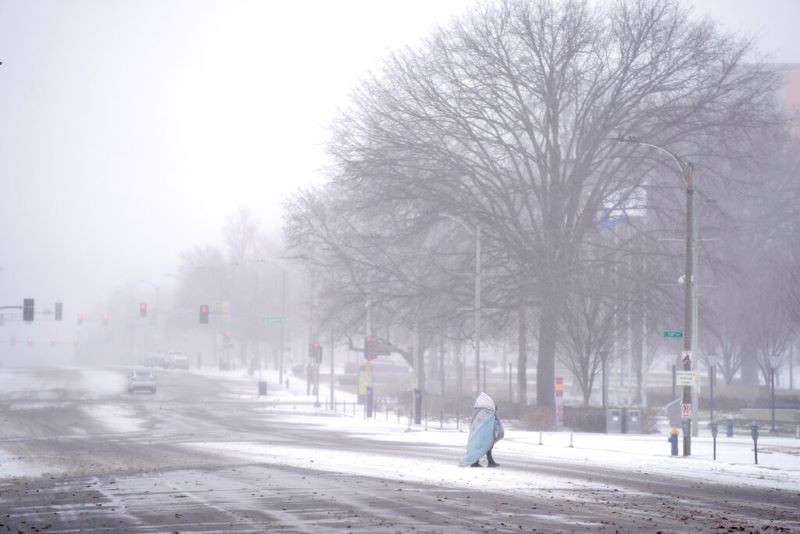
(686, 411)
(686, 378)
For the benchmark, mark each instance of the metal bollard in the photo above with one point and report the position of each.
(754, 435)
(570, 441)
(540, 439)
(441, 419)
(673, 441)
(398, 416)
(729, 427)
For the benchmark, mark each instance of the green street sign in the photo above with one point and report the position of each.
(672, 333)
(274, 319)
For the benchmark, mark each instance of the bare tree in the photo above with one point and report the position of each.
(504, 118)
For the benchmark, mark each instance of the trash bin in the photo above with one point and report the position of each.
(632, 421)
(613, 421)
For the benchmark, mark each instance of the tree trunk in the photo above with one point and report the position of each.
(749, 370)
(546, 358)
(522, 358)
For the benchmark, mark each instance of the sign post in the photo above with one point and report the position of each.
(559, 402)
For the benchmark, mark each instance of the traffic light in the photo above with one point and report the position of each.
(59, 311)
(204, 314)
(370, 348)
(315, 352)
(374, 347)
(105, 319)
(143, 309)
(27, 310)
(80, 318)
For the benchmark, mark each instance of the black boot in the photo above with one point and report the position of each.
(492, 463)
(476, 464)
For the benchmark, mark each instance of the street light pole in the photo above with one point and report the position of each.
(773, 363)
(283, 315)
(283, 324)
(772, 395)
(477, 305)
(686, 169)
(477, 300)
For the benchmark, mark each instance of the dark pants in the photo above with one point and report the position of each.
(488, 458)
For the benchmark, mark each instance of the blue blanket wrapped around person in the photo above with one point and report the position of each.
(484, 430)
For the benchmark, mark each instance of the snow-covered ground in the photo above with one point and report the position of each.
(779, 458)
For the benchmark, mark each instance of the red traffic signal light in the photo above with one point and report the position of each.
(374, 347)
(143, 309)
(315, 352)
(204, 314)
(80, 318)
(105, 319)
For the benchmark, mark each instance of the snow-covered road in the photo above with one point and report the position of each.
(207, 454)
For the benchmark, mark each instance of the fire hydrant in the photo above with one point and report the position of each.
(673, 441)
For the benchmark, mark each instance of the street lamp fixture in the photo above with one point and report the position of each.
(686, 170)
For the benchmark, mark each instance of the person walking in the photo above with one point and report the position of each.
(484, 431)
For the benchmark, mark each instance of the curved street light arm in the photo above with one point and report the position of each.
(469, 228)
(684, 166)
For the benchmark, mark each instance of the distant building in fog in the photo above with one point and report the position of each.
(790, 93)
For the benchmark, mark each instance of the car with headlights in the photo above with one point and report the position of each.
(141, 380)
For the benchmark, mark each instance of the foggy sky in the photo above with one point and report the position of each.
(131, 130)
